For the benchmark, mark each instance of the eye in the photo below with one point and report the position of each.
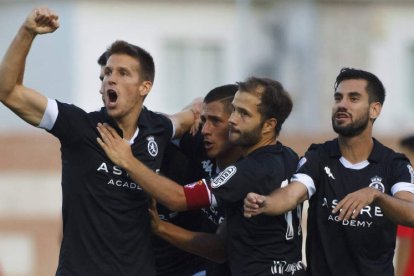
(215, 121)
(123, 72)
(243, 113)
(107, 71)
(337, 98)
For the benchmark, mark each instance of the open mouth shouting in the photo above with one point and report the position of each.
(112, 97)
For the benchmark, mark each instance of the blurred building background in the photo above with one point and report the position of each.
(197, 45)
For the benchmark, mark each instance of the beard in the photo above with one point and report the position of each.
(353, 129)
(247, 138)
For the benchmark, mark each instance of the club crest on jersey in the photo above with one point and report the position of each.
(377, 184)
(223, 177)
(152, 146)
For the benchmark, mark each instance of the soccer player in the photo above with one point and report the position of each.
(106, 226)
(358, 189)
(404, 264)
(170, 260)
(260, 246)
(211, 152)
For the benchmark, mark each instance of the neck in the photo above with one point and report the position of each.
(229, 157)
(356, 149)
(265, 141)
(129, 124)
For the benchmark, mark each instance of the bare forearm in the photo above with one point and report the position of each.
(399, 210)
(206, 245)
(183, 121)
(276, 204)
(285, 199)
(164, 190)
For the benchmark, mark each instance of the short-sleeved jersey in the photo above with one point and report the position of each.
(363, 246)
(261, 245)
(205, 168)
(106, 229)
(169, 259)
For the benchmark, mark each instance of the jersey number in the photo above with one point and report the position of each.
(290, 231)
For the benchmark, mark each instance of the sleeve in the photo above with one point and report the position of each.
(308, 171)
(50, 116)
(71, 122)
(168, 124)
(402, 175)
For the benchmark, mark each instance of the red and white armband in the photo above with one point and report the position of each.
(197, 195)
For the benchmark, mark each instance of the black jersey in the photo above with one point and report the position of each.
(106, 225)
(260, 245)
(170, 260)
(205, 168)
(363, 246)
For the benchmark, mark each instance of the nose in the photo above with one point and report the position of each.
(341, 105)
(110, 78)
(206, 129)
(233, 117)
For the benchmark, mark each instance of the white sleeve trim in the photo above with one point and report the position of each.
(50, 115)
(402, 186)
(173, 129)
(305, 180)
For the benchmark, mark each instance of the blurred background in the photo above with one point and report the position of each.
(196, 45)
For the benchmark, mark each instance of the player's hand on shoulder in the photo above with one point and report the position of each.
(351, 205)
(253, 204)
(42, 21)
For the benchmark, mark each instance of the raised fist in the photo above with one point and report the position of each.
(41, 21)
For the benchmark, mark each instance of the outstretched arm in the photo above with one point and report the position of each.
(206, 245)
(278, 202)
(399, 208)
(26, 103)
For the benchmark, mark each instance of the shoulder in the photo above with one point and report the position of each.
(386, 154)
(290, 153)
(326, 146)
(153, 122)
(153, 117)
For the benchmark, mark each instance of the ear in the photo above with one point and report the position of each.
(145, 88)
(269, 125)
(375, 110)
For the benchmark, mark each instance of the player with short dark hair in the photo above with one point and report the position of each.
(210, 152)
(169, 260)
(102, 62)
(261, 246)
(358, 189)
(106, 228)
